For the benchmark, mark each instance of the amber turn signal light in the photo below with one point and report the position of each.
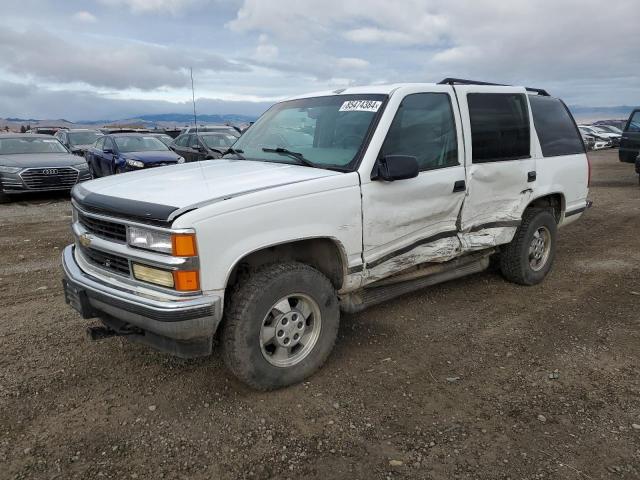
(183, 245)
(186, 280)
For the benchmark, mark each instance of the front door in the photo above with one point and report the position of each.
(500, 158)
(408, 222)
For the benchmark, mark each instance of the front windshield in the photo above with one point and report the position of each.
(328, 131)
(219, 140)
(139, 144)
(83, 138)
(12, 146)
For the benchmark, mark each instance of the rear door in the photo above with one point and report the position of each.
(500, 158)
(413, 221)
(630, 141)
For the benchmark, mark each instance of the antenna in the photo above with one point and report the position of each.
(193, 99)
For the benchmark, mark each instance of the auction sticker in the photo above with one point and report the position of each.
(360, 106)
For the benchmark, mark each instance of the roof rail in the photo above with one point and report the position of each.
(462, 81)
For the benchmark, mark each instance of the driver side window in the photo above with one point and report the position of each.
(424, 127)
(108, 144)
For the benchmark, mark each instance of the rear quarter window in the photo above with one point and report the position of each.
(556, 129)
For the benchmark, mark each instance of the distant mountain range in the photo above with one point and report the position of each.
(165, 120)
(181, 118)
(162, 120)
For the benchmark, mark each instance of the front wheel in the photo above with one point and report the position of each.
(281, 325)
(529, 257)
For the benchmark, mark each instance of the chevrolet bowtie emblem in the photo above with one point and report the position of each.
(85, 240)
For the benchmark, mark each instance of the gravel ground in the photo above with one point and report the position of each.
(477, 378)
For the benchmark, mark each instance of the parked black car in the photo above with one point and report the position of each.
(124, 152)
(203, 146)
(630, 141)
(78, 140)
(638, 167)
(37, 163)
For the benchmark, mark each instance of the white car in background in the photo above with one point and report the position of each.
(601, 134)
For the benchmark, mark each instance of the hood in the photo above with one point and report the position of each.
(152, 157)
(159, 195)
(34, 160)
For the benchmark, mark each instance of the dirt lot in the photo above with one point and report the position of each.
(451, 382)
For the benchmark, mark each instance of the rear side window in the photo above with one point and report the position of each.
(499, 126)
(555, 127)
(424, 128)
(634, 122)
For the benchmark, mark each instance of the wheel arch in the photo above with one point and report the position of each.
(325, 254)
(555, 201)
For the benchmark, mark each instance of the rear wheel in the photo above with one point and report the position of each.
(529, 257)
(281, 325)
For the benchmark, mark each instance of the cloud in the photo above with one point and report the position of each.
(84, 17)
(120, 65)
(350, 63)
(161, 6)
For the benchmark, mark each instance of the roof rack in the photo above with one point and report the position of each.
(462, 81)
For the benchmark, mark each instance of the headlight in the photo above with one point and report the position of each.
(180, 159)
(135, 163)
(149, 239)
(176, 244)
(9, 169)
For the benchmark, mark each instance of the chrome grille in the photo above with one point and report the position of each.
(10, 183)
(108, 261)
(104, 228)
(49, 178)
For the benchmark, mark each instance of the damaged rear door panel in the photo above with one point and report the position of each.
(501, 163)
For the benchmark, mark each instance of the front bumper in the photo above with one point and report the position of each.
(183, 326)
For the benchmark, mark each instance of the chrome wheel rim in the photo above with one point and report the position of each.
(290, 330)
(539, 249)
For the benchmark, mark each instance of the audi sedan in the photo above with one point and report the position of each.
(37, 163)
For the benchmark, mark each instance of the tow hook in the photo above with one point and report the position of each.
(100, 333)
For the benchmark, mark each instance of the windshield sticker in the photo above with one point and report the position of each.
(360, 106)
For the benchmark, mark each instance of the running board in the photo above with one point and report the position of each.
(367, 297)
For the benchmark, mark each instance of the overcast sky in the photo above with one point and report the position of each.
(106, 59)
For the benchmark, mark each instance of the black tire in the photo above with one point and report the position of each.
(515, 262)
(4, 198)
(253, 300)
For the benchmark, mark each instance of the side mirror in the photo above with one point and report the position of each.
(395, 167)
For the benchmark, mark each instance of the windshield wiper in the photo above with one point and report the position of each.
(234, 151)
(297, 155)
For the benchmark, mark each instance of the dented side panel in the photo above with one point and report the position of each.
(411, 221)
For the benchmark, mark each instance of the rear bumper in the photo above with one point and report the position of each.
(183, 326)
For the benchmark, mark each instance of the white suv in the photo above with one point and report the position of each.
(331, 202)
